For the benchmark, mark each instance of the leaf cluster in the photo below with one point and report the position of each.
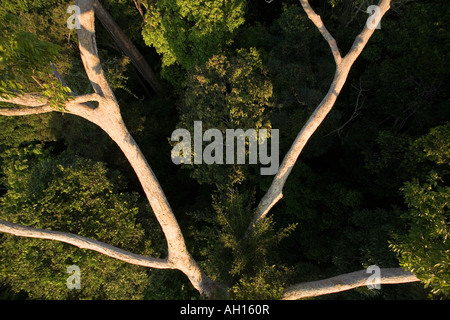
(189, 32)
(74, 195)
(425, 248)
(227, 92)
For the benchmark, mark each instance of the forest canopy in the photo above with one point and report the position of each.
(369, 188)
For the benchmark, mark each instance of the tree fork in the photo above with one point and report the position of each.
(343, 66)
(107, 116)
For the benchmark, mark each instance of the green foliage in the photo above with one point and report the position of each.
(79, 136)
(115, 70)
(245, 259)
(300, 67)
(252, 251)
(17, 131)
(235, 90)
(189, 32)
(20, 54)
(124, 11)
(18, 6)
(25, 62)
(72, 195)
(170, 285)
(436, 145)
(267, 284)
(425, 250)
(227, 93)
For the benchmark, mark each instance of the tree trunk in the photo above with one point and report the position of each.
(128, 48)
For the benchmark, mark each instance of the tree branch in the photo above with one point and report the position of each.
(84, 243)
(274, 194)
(61, 79)
(37, 104)
(128, 48)
(10, 112)
(346, 282)
(362, 39)
(317, 20)
(27, 100)
(107, 116)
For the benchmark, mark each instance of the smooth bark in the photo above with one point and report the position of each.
(128, 48)
(84, 243)
(107, 116)
(343, 66)
(345, 282)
